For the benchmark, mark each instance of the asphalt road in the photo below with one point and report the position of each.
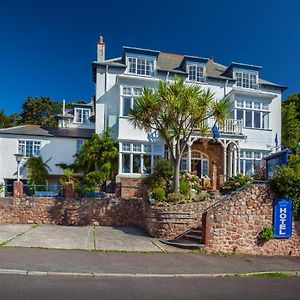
(14, 287)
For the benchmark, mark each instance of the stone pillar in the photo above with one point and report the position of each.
(206, 228)
(18, 189)
(69, 191)
(214, 176)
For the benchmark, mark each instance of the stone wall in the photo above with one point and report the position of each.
(235, 225)
(169, 221)
(128, 187)
(107, 211)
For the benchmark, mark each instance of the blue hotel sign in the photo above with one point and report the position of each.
(283, 212)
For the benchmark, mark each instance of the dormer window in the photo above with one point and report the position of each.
(141, 66)
(196, 73)
(82, 115)
(246, 80)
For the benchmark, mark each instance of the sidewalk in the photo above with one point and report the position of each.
(113, 263)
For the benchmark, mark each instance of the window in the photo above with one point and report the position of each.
(249, 159)
(139, 158)
(128, 97)
(254, 114)
(199, 163)
(141, 66)
(82, 115)
(29, 148)
(196, 73)
(79, 144)
(246, 80)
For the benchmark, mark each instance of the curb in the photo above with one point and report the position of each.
(137, 275)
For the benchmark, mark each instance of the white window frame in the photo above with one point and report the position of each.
(198, 71)
(146, 59)
(80, 110)
(23, 144)
(196, 155)
(251, 109)
(133, 96)
(251, 158)
(133, 150)
(247, 80)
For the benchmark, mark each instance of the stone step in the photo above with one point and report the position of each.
(191, 236)
(184, 243)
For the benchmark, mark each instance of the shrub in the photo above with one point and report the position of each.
(184, 188)
(235, 182)
(201, 197)
(154, 181)
(286, 182)
(175, 197)
(267, 233)
(193, 179)
(159, 193)
(163, 168)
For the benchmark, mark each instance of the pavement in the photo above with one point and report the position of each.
(119, 252)
(102, 238)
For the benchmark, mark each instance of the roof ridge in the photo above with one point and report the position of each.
(13, 127)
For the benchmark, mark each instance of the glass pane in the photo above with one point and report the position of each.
(239, 103)
(147, 148)
(248, 118)
(257, 154)
(127, 91)
(137, 148)
(239, 114)
(265, 106)
(248, 167)
(204, 168)
(126, 147)
(256, 105)
(126, 163)
(248, 104)
(248, 154)
(242, 166)
(157, 148)
(265, 120)
(137, 91)
(183, 165)
(147, 164)
(238, 77)
(132, 64)
(257, 119)
(126, 106)
(136, 163)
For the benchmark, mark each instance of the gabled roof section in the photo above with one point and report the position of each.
(141, 51)
(44, 131)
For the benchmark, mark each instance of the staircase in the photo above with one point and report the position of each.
(191, 239)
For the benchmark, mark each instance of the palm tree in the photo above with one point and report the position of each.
(174, 110)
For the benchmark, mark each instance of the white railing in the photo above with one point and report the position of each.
(230, 126)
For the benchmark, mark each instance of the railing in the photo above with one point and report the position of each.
(41, 190)
(230, 126)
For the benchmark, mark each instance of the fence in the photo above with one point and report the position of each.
(41, 190)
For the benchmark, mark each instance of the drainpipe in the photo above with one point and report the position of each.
(63, 113)
(167, 77)
(225, 85)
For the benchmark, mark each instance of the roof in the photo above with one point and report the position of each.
(43, 131)
(175, 63)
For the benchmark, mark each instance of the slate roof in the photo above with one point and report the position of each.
(43, 131)
(174, 63)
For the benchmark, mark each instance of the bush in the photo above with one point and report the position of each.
(267, 233)
(193, 179)
(159, 193)
(154, 181)
(235, 182)
(163, 168)
(201, 197)
(185, 188)
(286, 182)
(175, 197)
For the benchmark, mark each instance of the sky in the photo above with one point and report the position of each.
(46, 47)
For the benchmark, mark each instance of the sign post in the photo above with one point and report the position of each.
(283, 214)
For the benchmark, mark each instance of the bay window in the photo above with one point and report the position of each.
(249, 159)
(128, 97)
(138, 158)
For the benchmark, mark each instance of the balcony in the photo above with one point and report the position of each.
(230, 126)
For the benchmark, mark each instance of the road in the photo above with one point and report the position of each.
(55, 287)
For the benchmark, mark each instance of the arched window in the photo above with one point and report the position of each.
(199, 163)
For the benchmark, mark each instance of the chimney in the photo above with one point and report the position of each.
(100, 49)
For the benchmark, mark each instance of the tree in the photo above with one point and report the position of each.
(8, 120)
(37, 170)
(40, 111)
(174, 110)
(97, 159)
(290, 126)
(294, 98)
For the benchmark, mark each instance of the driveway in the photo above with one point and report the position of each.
(101, 238)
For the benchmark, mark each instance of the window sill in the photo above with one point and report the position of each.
(263, 129)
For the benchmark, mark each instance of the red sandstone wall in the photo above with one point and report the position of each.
(235, 225)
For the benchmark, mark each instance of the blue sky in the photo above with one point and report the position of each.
(46, 47)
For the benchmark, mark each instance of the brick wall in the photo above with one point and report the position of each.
(169, 221)
(107, 211)
(129, 187)
(235, 225)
